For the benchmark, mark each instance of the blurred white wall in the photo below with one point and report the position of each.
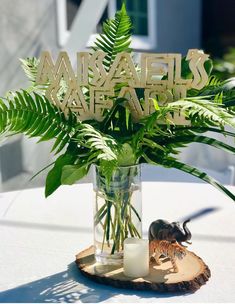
(26, 28)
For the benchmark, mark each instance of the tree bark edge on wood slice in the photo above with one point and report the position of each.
(192, 269)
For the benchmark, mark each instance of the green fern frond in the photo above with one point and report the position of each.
(219, 98)
(213, 87)
(149, 127)
(35, 116)
(213, 81)
(101, 147)
(116, 37)
(216, 86)
(203, 112)
(30, 67)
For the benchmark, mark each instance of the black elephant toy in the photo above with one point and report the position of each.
(163, 230)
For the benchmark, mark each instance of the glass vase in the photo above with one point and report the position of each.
(117, 212)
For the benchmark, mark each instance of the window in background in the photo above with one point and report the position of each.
(138, 11)
(72, 7)
(141, 12)
(143, 16)
(66, 12)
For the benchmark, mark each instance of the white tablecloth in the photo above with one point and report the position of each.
(39, 239)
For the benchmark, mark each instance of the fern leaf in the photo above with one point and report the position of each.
(203, 112)
(115, 37)
(30, 66)
(35, 116)
(95, 141)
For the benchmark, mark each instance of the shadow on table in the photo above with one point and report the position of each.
(69, 287)
(200, 213)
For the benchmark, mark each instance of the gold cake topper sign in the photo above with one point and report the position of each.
(158, 74)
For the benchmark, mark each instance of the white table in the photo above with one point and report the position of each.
(39, 239)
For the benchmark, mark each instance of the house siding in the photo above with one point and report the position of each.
(26, 28)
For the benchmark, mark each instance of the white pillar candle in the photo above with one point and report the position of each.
(136, 257)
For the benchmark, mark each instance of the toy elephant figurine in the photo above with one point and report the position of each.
(163, 230)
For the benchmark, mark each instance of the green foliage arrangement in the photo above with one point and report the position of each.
(118, 140)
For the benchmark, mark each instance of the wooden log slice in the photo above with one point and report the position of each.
(193, 273)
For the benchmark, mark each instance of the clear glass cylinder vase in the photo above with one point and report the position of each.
(117, 212)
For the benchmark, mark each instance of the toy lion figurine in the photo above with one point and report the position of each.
(168, 249)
